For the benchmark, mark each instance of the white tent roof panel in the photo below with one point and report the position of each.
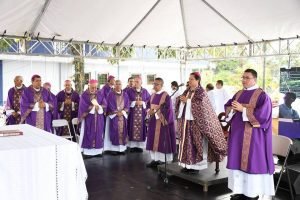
(265, 19)
(204, 27)
(17, 16)
(210, 22)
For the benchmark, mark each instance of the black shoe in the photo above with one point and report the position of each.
(98, 155)
(183, 170)
(192, 171)
(122, 153)
(114, 153)
(86, 156)
(237, 197)
(160, 162)
(152, 164)
(139, 150)
(252, 198)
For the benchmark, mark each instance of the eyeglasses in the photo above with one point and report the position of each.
(156, 84)
(246, 78)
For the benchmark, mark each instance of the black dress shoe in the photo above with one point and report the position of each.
(114, 153)
(183, 170)
(139, 150)
(98, 155)
(252, 198)
(192, 171)
(237, 197)
(86, 156)
(151, 164)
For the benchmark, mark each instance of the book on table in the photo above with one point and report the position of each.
(6, 133)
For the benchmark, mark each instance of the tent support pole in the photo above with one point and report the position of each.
(39, 17)
(140, 22)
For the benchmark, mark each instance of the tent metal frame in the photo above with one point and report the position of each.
(265, 48)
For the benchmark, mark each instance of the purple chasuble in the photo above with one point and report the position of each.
(157, 132)
(137, 115)
(13, 103)
(93, 123)
(67, 112)
(42, 118)
(118, 125)
(250, 143)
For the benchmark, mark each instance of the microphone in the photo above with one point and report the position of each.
(182, 84)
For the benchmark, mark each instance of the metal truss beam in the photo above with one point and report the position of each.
(22, 46)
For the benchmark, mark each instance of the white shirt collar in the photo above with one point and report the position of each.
(36, 89)
(119, 92)
(19, 87)
(252, 88)
(159, 92)
(69, 92)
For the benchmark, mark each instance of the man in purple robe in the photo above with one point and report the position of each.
(130, 85)
(109, 86)
(200, 133)
(37, 105)
(161, 137)
(116, 132)
(53, 114)
(92, 106)
(138, 98)
(67, 106)
(250, 158)
(12, 107)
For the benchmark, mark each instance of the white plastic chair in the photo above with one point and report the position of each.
(60, 123)
(281, 146)
(75, 123)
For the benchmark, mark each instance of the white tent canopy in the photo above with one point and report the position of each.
(175, 23)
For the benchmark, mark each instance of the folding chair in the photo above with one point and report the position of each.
(60, 123)
(281, 146)
(75, 123)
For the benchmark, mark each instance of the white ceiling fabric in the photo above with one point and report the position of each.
(176, 23)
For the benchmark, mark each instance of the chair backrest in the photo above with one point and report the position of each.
(281, 145)
(75, 121)
(59, 123)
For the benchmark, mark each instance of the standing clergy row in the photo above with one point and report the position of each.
(38, 106)
(111, 119)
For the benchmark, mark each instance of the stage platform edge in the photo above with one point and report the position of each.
(205, 178)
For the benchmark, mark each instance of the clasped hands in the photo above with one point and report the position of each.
(236, 106)
(42, 104)
(68, 101)
(183, 98)
(139, 103)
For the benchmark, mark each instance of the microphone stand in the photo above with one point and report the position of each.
(162, 108)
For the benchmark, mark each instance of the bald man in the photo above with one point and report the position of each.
(13, 101)
(92, 106)
(138, 98)
(67, 105)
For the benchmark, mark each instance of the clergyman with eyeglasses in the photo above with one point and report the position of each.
(250, 159)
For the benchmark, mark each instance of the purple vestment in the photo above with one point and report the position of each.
(250, 142)
(106, 89)
(13, 103)
(157, 132)
(41, 118)
(118, 124)
(136, 123)
(93, 123)
(67, 112)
